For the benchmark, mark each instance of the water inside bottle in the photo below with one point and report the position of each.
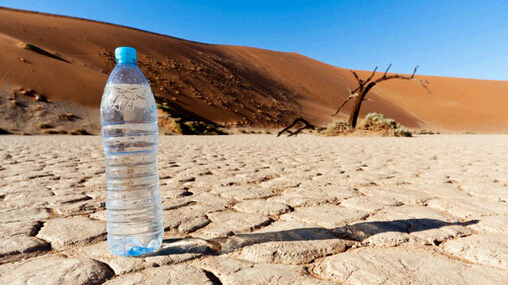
(130, 139)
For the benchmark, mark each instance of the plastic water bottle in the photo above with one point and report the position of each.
(130, 139)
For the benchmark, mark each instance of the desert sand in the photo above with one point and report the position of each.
(69, 60)
(257, 209)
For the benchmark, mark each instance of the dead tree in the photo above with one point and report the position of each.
(364, 87)
(306, 125)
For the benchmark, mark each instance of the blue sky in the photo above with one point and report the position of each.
(445, 38)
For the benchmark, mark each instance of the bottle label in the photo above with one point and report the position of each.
(128, 102)
(127, 96)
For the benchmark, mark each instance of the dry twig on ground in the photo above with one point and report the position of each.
(306, 125)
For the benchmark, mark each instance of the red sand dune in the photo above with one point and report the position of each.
(230, 85)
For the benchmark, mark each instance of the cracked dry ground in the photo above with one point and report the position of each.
(256, 209)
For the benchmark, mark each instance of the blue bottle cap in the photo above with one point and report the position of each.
(125, 55)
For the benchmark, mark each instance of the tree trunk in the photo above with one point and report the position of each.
(353, 118)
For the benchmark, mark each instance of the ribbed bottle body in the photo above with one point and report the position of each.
(130, 140)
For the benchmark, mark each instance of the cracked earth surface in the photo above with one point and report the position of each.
(256, 209)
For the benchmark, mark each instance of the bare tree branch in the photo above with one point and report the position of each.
(423, 83)
(414, 71)
(351, 96)
(395, 76)
(384, 75)
(356, 76)
(354, 91)
(372, 75)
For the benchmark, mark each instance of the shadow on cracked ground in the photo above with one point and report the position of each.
(356, 232)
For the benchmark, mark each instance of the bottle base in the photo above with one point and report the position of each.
(134, 245)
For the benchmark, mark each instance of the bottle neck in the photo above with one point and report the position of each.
(127, 73)
(126, 61)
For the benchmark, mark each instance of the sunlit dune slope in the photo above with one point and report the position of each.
(230, 85)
